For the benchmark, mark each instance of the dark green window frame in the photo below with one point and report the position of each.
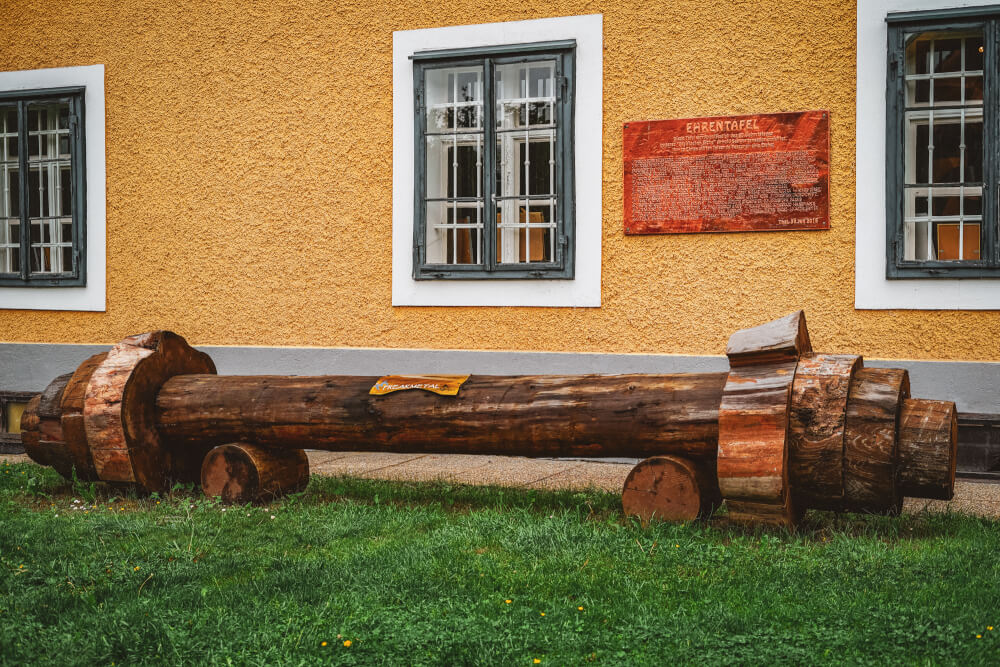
(76, 275)
(899, 25)
(563, 264)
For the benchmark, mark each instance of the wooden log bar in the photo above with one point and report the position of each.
(754, 421)
(671, 488)
(816, 430)
(785, 429)
(928, 437)
(870, 440)
(241, 473)
(528, 415)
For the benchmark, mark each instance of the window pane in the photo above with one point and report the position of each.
(10, 191)
(973, 53)
(525, 94)
(9, 244)
(526, 233)
(50, 188)
(536, 169)
(947, 55)
(463, 176)
(454, 233)
(948, 89)
(947, 138)
(918, 57)
(454, 98)
(973, 152)
(958, 242)
(38, 192)
(454, 165)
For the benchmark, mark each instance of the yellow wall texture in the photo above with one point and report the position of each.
(249, 169)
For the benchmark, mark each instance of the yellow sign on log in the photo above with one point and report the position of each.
(445, 385)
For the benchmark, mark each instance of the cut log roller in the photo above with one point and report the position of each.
(786, 429)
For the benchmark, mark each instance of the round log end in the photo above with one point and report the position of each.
(928, 449)
(241, 473)
(119, 410)
(670, 488)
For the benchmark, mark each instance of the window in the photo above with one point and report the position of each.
(942, 131)
(42, 226)
(494, 162)
(12, 405)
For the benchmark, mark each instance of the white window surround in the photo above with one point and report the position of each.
(585, 289)
(872, 290)
(92, 296)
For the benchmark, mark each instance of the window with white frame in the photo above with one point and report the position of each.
(942, 129)
(42, 212)
(494, 162)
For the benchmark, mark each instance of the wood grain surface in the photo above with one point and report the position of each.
(928, 448)
(816, 428)
(241, 473)
(870, 440)
(671, 488)
(529, 415)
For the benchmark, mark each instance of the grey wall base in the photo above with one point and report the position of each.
(974, 386)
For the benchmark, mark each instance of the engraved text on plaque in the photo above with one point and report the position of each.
(728, 174)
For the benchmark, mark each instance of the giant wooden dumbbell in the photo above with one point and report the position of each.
(784, 430)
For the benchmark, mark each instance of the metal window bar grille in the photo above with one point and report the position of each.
(516, 133)
(928, 113)
(51, 229)
(10, 223)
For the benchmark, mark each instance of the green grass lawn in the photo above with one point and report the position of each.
(364, 572)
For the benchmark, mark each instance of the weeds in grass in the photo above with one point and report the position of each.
(367, 572)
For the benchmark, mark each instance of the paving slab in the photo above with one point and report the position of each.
(605, 476)
(971, 497)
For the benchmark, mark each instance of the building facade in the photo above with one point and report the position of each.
(354, 188)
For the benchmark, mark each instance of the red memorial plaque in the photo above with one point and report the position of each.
(763, 172)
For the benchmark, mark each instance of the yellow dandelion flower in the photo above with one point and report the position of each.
(347, 643)
(677, 546)
(135, 569)
(979, 636)
(507, 601)
(580, 608)
(542, 613)
(988, 627)
(323, 644)
(536, 661)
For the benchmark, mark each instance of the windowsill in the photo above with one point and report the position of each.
(585, 289)
(92, 296)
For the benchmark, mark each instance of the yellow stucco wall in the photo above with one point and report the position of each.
(249, 168)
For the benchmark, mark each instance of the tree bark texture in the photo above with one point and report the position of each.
(590, 415)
